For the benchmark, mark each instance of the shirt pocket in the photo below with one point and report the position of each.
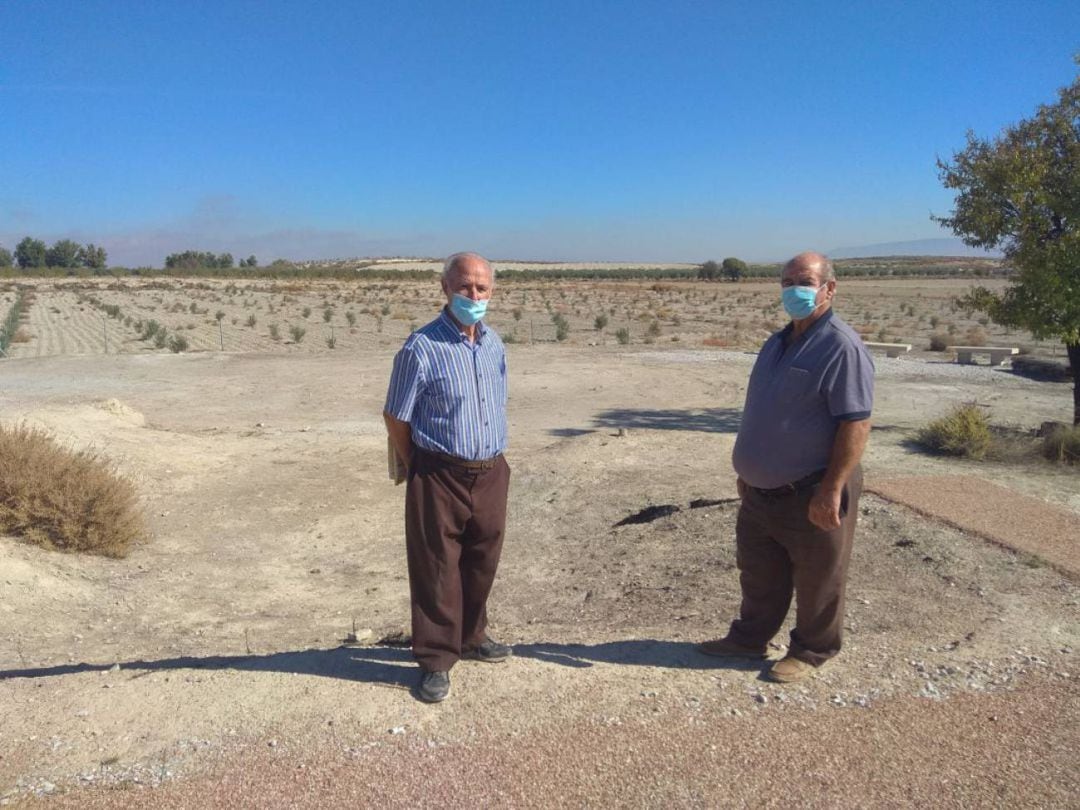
(796, 385)
(442, 397)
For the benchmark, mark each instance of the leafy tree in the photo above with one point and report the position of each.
(63, 253)
(1020, 192)
(251, 261)
(197, 260)
(6, 259)
(734, 269)
(93, 257)
(709, 271)
(30, 253)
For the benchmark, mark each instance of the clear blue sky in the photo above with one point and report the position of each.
(667, 131)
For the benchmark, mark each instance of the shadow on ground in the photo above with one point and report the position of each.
(389, 666)
(394, 666)
(705, 420)
(635, 652)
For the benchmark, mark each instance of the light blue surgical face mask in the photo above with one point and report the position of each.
(799, 302)
(466, 310)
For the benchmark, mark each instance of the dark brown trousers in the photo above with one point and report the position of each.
(455, 519)
(780, 552)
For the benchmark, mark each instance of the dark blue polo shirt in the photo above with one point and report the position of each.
(796, 398)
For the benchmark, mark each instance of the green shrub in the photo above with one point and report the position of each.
(160, 337)
(938, 342)
(251, 321)
(1063, 445)
(622, 335)
(275, 332)
(58, 498)
(149, 329)
(306, 312)
(178, 343)
(600, 323)
(562, 326)
(964, 431)
(350, 316)
(297, 333)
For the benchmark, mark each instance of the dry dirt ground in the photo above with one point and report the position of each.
(207, 667)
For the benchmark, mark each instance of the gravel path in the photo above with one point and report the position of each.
(1015, 749)
(998, 514)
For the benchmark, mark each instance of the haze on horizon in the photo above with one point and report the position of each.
(639, 132)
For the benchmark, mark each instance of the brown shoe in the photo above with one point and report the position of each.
(722, 648)
(791, 670)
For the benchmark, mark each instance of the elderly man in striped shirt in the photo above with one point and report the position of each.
(446, 415)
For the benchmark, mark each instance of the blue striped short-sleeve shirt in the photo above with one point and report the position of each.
(450, 391)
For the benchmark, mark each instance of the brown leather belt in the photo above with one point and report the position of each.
(793, 487)
(464, 463)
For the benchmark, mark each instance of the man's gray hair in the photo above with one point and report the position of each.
(452, 262)
(828, 272)
(810, 257)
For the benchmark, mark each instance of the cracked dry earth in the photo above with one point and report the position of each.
(207, 668)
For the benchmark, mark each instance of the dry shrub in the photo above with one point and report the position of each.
(62, 499)
(1063, 445)
(964, 431)
(716, 342)
(975, 336)
(22, 336)
(938, 342)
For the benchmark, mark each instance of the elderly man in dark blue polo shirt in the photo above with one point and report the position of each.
(804, 428)
(446, 416)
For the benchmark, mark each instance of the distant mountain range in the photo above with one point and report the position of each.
(913, 247)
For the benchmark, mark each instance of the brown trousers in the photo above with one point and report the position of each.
(455, 520)
(779, 551)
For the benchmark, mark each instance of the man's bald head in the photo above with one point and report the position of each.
(811, 261)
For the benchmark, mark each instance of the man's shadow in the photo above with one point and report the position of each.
(634, 652)
(394, 666)
(385, 666)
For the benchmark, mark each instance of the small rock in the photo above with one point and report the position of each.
(397, 730)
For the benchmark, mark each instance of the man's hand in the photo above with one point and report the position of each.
(824, 509)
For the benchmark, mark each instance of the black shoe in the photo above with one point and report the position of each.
(434, 687)
(490, 650)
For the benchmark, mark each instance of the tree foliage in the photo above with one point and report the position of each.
(63, 253)
(1020, 193)
(709, 271)
(197, 260)
(734, 269)
(6, 259)
(93, 257)
(30, 253)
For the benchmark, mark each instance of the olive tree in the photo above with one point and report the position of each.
(1020, 192)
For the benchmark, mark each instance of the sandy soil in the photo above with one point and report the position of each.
(274, 533)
